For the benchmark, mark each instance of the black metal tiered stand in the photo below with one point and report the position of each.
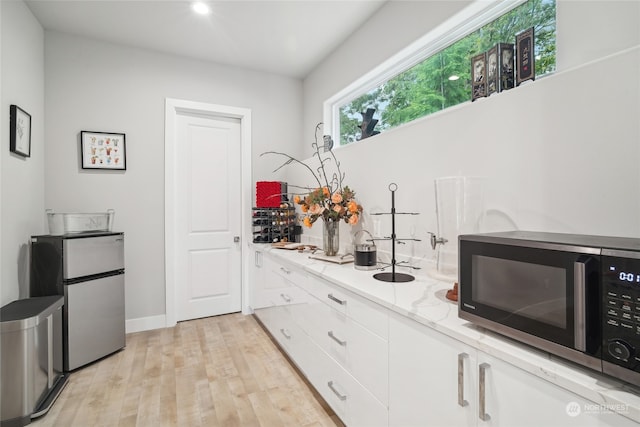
(393, 276)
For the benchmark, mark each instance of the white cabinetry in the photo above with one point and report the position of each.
(432, 378)
(352, 352)
(375, 367)
(338, 340)
(436, 380)
(277, 284)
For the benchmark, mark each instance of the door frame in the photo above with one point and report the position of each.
(174, 107)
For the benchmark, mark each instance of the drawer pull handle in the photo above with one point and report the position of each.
(284, 270)
(339, 301)
(285, 297)
(461, 358)
(285, 333)
(336, 392)
(482, 413)
(336, 339)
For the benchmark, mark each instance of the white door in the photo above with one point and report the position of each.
(207, 216)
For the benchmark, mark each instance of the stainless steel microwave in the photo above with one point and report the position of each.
(574, 296)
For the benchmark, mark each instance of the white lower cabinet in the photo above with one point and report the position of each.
(351, 401)
(517, 398)
(276, 283)
(361, 352)
(345, 361)
(432, 379)
(435, 380)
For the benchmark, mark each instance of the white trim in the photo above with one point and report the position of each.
(463, 23)
(145, 323)
(172, 108)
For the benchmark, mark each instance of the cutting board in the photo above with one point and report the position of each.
(337, 259)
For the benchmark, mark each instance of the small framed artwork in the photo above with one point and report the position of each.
(479, 76)
(20, 132)
(505, 66)
(492, 70)
(103, 150)
(526, 68)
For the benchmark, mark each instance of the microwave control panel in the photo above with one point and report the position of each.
(621, 316)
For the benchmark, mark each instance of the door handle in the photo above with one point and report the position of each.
(482, 392)
(461, 358)
(236, 239)
(336, 339)
(579, 313)
(285, 297)
(339, 301)
(50, 376)
(285, 333)
(336, 392)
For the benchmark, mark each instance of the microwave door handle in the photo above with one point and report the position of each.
(579, 313)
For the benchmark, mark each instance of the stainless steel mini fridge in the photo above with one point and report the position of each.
(88, 269)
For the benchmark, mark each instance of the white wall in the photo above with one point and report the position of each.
(396, 25)
(559, 154)
(97, 86)
(22, 179)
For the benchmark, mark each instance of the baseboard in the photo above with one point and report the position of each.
(145, 323)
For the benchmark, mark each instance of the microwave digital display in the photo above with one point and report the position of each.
(535, 291)
(624, 275)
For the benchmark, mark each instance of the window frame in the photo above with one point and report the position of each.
(460, 25)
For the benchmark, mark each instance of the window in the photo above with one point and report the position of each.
(438, 75)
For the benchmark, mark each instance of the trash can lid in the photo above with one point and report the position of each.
(24, 313)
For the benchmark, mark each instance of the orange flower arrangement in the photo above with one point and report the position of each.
(330, 200)
(323, 203)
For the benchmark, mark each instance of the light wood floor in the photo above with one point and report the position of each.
(217, 371)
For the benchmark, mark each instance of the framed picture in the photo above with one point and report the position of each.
(492, 70)
(20, 133)
(103, 150)
(479, 76)
(505, 66)
(526, 68)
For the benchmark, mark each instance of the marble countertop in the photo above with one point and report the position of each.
(423, 300)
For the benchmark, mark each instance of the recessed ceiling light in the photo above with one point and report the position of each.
(454, 78)
(201, 8)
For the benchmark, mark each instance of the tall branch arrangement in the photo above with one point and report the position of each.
(330, 200)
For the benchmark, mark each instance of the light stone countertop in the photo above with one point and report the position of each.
(423, 300)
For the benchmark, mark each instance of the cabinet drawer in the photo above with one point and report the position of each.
(285, 331)
(353, 306)
(347, 397)
(362, 353)
(278, 275)
(290, 296)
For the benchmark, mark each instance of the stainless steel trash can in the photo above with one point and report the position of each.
(31, 358)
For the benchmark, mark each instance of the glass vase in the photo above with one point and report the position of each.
(331, 237)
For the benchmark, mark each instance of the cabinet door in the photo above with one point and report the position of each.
(353, 403)
(514, 397)
(432, 378)
(256, 277)
(359, 351)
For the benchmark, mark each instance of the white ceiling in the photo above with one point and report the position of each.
(287, 37)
